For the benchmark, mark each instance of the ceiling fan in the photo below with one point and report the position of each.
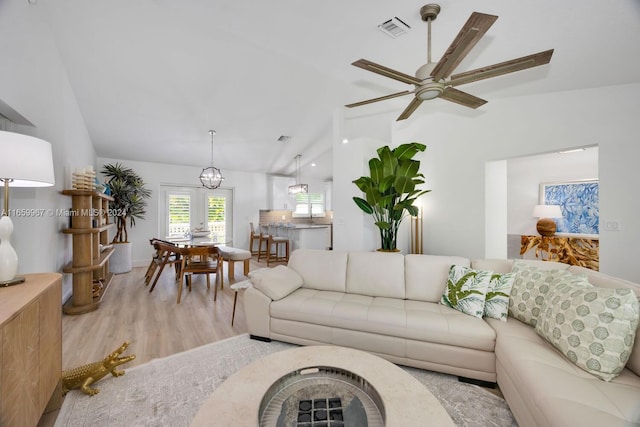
(435, 80)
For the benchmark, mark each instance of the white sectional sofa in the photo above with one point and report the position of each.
(389, 305)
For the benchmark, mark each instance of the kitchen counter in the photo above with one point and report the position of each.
(303, 236)
(295, 226)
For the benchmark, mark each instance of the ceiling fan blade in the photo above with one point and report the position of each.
(469, 35)
(506, 67)
(382, 98)
(387, 72)
(413, 105)
(462, 98)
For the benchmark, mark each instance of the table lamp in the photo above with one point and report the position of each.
(546, 226)
(25, 161)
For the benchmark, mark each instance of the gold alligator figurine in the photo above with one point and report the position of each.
(83, 376)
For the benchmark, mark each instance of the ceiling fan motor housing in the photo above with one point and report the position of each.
(429, 11)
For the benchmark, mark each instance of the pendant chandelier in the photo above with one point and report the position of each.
(211, 177)
(298, 188)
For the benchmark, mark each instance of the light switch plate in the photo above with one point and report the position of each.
(612, 225)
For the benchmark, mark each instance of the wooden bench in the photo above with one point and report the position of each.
(232, 255)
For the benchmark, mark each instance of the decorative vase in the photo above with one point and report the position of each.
(120, 261)
(546, 227)
(8, 256)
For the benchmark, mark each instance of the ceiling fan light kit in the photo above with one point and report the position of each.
(435, 80)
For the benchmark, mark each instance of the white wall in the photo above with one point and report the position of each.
(496, 208)
(459, 144)
(250, 195)
(353, 229)
(525, 174)
(34, 82)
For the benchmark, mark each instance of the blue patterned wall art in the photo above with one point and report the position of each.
(579, 203)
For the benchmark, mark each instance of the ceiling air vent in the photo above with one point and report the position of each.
(394, 27)
(284, 138)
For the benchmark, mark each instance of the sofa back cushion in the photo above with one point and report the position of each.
(426, 275)
(605, 281)
(321, 270)
(499, 266)
(376, 274)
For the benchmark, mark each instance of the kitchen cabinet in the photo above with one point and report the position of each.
(279, 198)
(328, 195)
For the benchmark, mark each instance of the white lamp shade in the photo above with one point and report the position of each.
(547, 211)
(26, 160)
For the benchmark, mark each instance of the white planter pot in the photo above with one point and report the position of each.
(120, 261)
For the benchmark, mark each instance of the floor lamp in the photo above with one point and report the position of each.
(25, 161)
(416, 233)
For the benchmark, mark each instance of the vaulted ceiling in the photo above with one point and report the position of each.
(153, 76)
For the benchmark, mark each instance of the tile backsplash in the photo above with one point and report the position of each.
(268, 216)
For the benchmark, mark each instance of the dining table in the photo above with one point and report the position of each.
(187, 241)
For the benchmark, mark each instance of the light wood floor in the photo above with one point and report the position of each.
(154, 324)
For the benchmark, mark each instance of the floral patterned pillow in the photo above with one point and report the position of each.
(466, 290)
(496, 304)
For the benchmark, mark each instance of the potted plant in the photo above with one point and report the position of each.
(390, 190)
(129, 203)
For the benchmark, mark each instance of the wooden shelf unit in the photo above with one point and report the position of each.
(89, 229)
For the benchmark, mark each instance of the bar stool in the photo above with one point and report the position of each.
(264, 239)
(254, 237)
(275, 256)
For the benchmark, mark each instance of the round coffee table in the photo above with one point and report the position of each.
(237, 400)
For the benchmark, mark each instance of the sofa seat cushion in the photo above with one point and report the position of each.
(555, 391)
(415, 320)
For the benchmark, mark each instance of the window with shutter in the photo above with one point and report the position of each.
(309, 205)
(216, 217)
(179, 213)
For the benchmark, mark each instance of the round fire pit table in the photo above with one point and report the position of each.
(400, 399)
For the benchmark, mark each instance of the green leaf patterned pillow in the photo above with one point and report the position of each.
(530, 287)
(466, 290)
(593, 327)
(496, 304)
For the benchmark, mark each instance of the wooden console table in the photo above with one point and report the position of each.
(581, 251)
(30, 349)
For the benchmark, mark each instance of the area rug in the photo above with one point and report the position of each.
(169, 391)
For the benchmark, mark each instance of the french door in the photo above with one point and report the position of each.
(186, 209)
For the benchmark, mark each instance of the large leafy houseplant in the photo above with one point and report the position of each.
(391, 189)
(129, 198)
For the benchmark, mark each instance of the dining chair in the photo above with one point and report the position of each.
(166, 254)
(153, 265)
(200, 260)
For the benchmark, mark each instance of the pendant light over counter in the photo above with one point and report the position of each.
(298, 188)
(211, 177)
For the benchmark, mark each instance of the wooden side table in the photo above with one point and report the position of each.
(30, 349)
